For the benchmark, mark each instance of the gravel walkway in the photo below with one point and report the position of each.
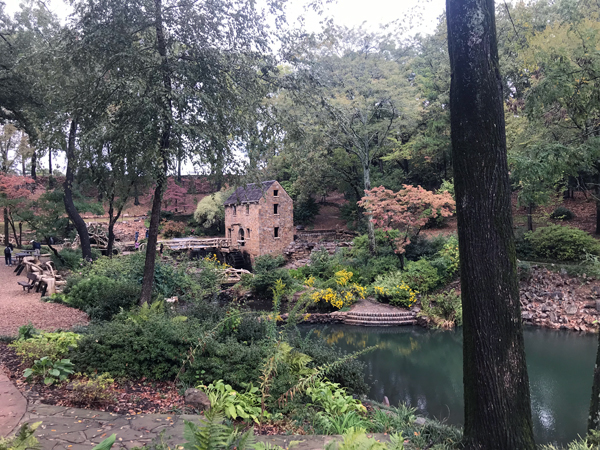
(17, 307)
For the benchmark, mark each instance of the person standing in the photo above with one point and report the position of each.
(8, 255)
(37, 248)
(137, 236)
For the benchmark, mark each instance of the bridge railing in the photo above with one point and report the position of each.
(196, 243)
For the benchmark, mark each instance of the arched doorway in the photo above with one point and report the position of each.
(241, 239)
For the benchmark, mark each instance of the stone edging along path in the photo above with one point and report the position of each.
(65, 428)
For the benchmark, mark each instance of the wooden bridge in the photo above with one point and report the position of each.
(222, 244)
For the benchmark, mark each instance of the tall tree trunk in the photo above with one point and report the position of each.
(112, 221)
(496, 384)
(136, 200)
(20, 243)
(594, 416)
(23, 165)
(33, 164)
(82, 231)
(370, 225)
(179, 161)
(6, 231)
(50, 161)
(530, 217)
(598, 204)
(148, 280)
(14, 230)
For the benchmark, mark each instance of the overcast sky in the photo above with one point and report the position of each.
(423, 14)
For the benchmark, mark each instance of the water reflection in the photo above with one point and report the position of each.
(424, 368)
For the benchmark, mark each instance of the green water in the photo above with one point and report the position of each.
(424, 368)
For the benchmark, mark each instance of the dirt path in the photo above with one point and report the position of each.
(17, 307)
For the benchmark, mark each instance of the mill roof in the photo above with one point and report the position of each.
(248, 194)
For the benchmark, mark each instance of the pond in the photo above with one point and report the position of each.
(424, 368)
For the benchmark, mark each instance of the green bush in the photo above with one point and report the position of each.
(154, 349)
(562, 213)
(168, 280)
(447, 261)
(392, 289)
(101, 297)
(421, 276)
(561, 243)
(443, 310)
(266, 274)
(53, 345)
(71, 259)
(422, 247)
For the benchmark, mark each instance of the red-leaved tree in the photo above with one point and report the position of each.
(406, 211)
(15, 190)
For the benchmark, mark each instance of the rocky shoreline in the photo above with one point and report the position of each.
(559, 301)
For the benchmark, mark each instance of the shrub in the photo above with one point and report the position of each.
(393, 290)
(154, 349)
(71, 259)
(51, 345)
(267, 272)
(562, 243)
(421, 247)
(562, 213)
(173, 229)
(306, 211)
(24, 439)
(101, 297)
(224, 399)
(93, 391)
(350, 375)
(421, 276)
(343, 293)
(50, 371)
(447, 261)
(443, 310)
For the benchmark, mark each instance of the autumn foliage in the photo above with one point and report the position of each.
(407, 210)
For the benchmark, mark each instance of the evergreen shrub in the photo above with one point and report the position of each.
(562, 213)
(102, 297)
(562, 243)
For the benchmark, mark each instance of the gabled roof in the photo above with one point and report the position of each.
(248, 194)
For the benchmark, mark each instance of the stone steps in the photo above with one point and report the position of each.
(380, 319)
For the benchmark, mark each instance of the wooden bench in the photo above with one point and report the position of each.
(30, 284)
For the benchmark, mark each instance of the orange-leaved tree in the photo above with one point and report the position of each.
(406, 211)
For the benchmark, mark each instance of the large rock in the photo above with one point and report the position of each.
(197, 399)
(571, 309)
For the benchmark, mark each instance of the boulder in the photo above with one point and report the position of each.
(571, 309)
(197, 399)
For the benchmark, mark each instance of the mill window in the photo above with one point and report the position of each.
(275, 208)
(276, 232)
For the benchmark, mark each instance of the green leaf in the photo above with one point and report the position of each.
(231, 411)
(106, 444)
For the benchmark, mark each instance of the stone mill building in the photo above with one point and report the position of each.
(259, 218)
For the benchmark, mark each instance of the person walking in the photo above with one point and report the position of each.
(8, 255)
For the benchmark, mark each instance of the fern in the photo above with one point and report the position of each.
(318, 373)
(23, 440)
(356, 439)
(212, 434)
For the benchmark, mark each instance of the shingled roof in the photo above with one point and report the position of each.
(248, 194)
